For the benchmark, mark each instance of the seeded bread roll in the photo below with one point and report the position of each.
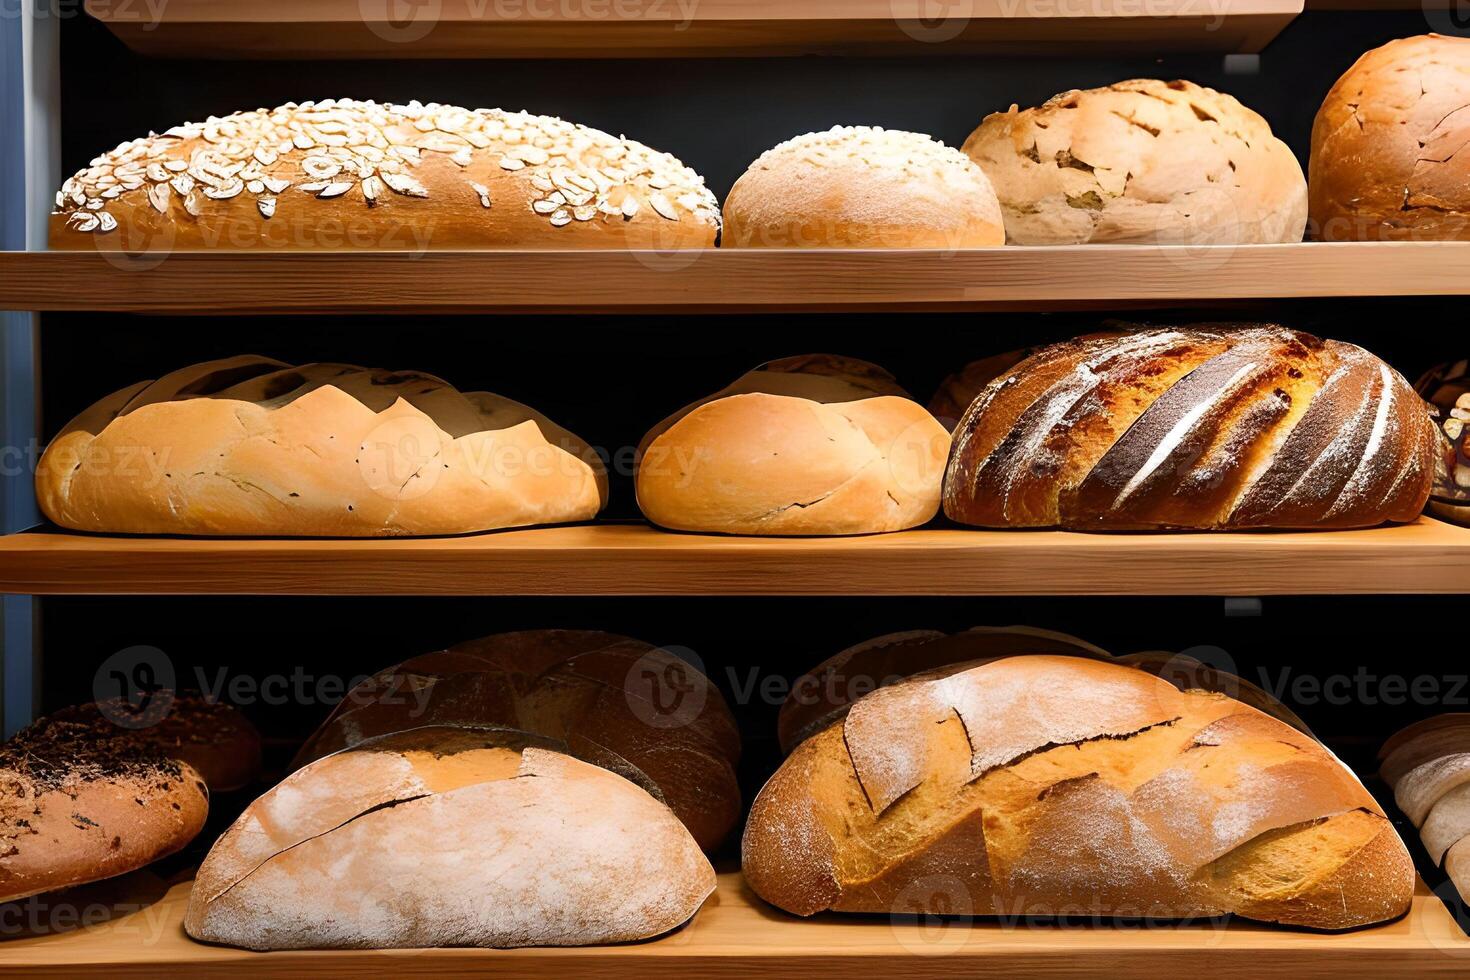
(347, 174)
(619, 702)
(1388, 160)
(1141, 161)
(1206, 427)
(1447, 389)
(1040, 785)
(253, 446)
(862, 187)
(802, 446)
(448, 837)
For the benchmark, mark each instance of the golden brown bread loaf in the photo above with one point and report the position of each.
(1427, 765)
(801, 446)
(1207, 427)
(346, 174)
(250, 445)
(448, 837)
(1141, 161)
(1388, 160)
(579, 691)
(1447, 389)
(1040, 784)
(862, 187)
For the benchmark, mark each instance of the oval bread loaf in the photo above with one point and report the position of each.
(253, 446)
(1045, 785)
(347, 174)
(1427, 765)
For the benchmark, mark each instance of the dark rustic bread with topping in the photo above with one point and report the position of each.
(621, 703)
(1043, 785)
(1208, 427)
(346, 174)
(1447, 389)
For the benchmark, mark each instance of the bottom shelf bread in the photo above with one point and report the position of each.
(735, 934)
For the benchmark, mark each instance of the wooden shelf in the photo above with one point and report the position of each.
(634, 559)
(302, 29)
(735, 935)
(724, 280)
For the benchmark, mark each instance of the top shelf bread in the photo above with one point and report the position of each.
(299, 29)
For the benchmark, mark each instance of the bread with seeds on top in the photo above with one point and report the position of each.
(347, 174)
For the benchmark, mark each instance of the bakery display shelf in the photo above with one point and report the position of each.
(1428, 556)
(735, 935)
(722, 280)
(302, 29)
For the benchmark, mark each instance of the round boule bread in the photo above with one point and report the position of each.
(254, 446)
(448, 837)
(347, 174)
(862, 187)
(1388, 145)
(1141, 161)
(803, 446)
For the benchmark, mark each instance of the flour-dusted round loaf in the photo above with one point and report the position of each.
(619, 702)
(1141, 161)
(1388, 145)
(802, 446)
(1214, 426)
(1045, 785)
(253, 446)
(448, 837)
(347, 174)
(862, 187)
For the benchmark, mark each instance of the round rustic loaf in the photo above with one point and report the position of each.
(802, 446)
(1205, 427)
(618, 702)
(1447, 388)
(448, 836)
(1141, 161)
(346, 174)
(1387, 145)
(253, 446)
(862, 187)
(1046, 785)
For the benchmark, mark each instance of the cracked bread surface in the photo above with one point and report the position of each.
(1048, 785)
(1141, 161)
(253, 446)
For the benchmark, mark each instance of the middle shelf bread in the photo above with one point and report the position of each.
(269, 281)
(1425, 557)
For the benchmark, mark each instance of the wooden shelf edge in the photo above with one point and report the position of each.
(1427, 557)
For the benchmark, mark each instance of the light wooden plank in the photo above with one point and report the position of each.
(633, 559)
(723, 280)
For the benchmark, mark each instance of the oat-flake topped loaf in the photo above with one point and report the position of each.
(348, 174)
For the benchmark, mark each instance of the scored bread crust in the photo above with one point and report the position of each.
(1044, 784)
(347, 174)
(254, 446)
(1205, 427)
(801, 446)
(1388, 160)
(862, 187)
(448, 837)
(1141, 161)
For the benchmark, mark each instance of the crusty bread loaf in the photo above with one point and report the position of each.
(1447, 389)
(1388, 160)
(1042, 785)
(1207, 427)
(1427, 765)
(958, 390)
(250, 445)
(1141, 161)
(862, 187)
(1422, 741)
(801, 446)
(347, 174)
(581, 691)
(448, 837)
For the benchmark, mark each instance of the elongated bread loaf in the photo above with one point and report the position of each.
(1041, 785)
(1427, 765)
(346, 174)
(802, 446)
(624, 704)
(448, 837)
(253, 446)
(1207, 427)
